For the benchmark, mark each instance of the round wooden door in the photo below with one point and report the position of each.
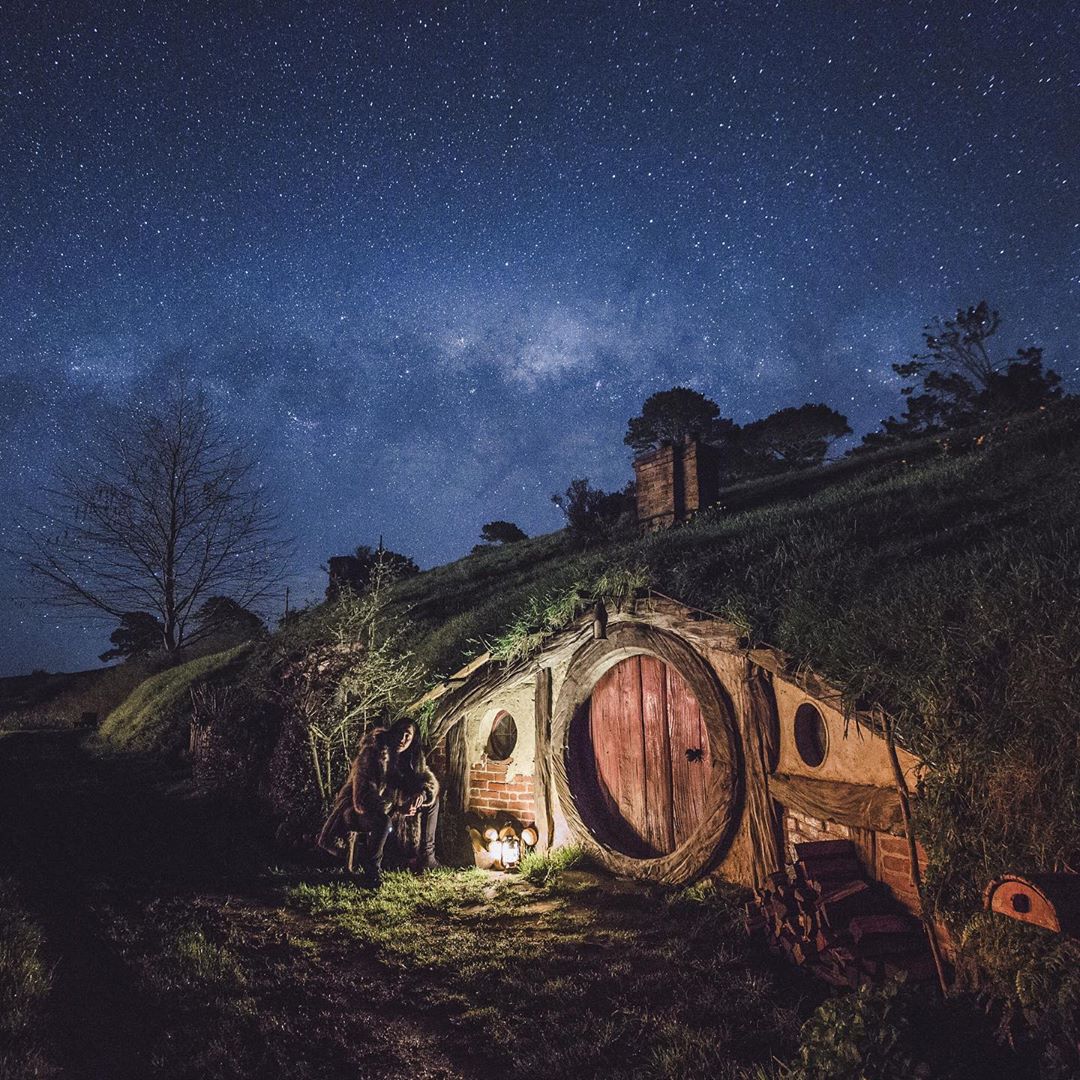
(647, 757)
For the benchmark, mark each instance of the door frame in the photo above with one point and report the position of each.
(712, 837)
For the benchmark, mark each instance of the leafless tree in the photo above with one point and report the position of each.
(158, 518)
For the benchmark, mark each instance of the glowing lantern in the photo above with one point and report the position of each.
(511, 852)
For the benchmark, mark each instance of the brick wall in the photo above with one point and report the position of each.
(894, 868)
(800, 829)
(654, 474)
(891, 862)
(675, 482)
(491, 792)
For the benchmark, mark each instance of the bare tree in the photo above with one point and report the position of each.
(160, 517)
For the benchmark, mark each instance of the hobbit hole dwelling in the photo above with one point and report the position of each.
(667, 750)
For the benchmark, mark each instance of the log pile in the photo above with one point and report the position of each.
(823, 914)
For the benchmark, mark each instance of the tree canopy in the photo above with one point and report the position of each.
(590, 512)
(501, 532)
(791, 438)
(670, 417)
(356, 572)
(139, 634)
(956, 381)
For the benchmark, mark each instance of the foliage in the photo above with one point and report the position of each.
(157, 517)
(25, 982)
(865, 1034)
(222, 617)
(155, 717)
(139, 634)
(356, 572)
(547, 614)
(342, 670)
(1030, 979)
(671, 417)
(591, 513)
(544, 867)
(956, 382)
(896, 1031)
(501, 532)
(787, 439)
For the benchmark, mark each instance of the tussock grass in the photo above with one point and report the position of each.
(154, 718)
(544, 867)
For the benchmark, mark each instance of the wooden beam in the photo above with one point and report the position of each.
(545, 821)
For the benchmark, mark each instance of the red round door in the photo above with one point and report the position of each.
(647, 757)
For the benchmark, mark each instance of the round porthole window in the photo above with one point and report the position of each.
(503, 738)
(811, 735)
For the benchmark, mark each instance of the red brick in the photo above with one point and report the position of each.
(893, 844)
(896, 864)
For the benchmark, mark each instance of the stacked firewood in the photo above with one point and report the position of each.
(823, 914)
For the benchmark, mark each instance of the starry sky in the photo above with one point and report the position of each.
(429, 258)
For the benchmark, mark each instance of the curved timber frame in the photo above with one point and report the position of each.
(700, 852)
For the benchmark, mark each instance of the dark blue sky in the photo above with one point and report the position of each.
(430, 258)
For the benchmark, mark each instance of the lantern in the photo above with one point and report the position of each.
(511, 852)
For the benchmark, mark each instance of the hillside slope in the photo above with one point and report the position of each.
(946, 590)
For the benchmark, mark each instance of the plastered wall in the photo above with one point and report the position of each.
(855, 755)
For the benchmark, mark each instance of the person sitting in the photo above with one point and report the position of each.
(389, 779)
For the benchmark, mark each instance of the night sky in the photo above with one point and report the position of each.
(430, 258)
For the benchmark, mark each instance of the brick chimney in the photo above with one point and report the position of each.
(674, 482)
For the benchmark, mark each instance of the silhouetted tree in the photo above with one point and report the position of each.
(501, 532)
(356, 572)
(592, 513)
(669, 417)
(221, 617)
(792, 438)
(139, 634)
(956, 381)
(162, 515)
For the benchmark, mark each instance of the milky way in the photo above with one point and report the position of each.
(429, 259)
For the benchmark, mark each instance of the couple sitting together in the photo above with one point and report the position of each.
(389, 781)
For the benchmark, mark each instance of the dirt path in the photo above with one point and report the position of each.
(96, 845)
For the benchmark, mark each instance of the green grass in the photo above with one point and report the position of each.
(946, 590)
(544, 867)
(25, 982)
(574, 980)
(154, 717)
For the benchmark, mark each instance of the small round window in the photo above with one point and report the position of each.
(503, 738)
(811, 735)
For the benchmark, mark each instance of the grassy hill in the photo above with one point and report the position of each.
(154, 718)
(58, 699)
(942, 584)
